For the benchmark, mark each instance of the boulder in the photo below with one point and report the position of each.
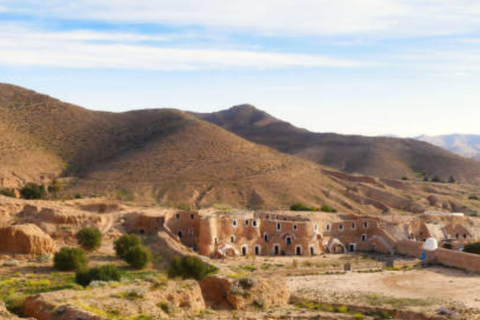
(25, 239)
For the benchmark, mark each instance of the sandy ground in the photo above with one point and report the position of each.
(433, 283)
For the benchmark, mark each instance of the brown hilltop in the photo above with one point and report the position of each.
(172, 157)
(378, 156)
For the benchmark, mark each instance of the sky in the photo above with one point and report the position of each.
(370, 67)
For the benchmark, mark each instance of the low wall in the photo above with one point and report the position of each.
(463, 260)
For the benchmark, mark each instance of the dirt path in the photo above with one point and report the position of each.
(433, 283)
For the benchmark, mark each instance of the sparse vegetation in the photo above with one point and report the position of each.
(326, 208)
(190, 267)
(69, 259)
(33, 191)
(301, 207)
(472, 248)
(89, 238)
(108, 272)
(8, 193)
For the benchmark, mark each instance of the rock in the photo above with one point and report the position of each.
(25, 239)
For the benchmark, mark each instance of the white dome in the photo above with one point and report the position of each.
(430, 244)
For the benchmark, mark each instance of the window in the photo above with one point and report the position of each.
(365, 225)
(465, 236)
(246, 222)
(298, 251)
(364, 237)
(353, 225)
(180, 234)
(216, 240)
(244, 250)
(178, 216)
(340, 227)
(232, 239)
(295, 227)
(328, 227)
(276, 249)
(351, 247)
(234, 223)
(254, 223)
(192, 216)
(316, 228)
(279, 227)
(312, 251)
(289, 240)
(257, 250)
(265, 237)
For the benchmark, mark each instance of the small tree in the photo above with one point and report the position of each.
(126, 243)
(89, 238)
(190, 267)
(108, 272)
(138, 257)
(54, 187)
(33, 191)
(68, 259)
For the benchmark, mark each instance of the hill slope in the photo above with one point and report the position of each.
(173, 158)
(466, 145)
(378, 156)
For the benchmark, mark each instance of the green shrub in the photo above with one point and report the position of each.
(190, 267)
(33, 191)
(108, 272)
(326, 208)
(138, 257)
(472, 248)
(89, 238)
(126, 243)
(301, 207)
(341, 309)
(473, 197)
(68, 259)
(166, 307)
(7, 193)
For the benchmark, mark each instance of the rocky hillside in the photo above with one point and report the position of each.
(171, 157)
(377, 156)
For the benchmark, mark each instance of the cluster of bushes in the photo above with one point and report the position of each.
(472, 248)
(33, 191)
(301, 207)
(190, 267)
(89, 238)
(326, 208)
(130, 248)
(108, 272)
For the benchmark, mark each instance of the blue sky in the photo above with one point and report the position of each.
(368, 67)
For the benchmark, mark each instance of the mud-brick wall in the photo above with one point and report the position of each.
(410, 248)
(456, 259)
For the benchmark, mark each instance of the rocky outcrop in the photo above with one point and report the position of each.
(245, 293)
(5, 315)
(37, 307)
(25, 239)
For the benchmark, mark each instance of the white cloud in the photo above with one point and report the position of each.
(77, 49)
(397, 18)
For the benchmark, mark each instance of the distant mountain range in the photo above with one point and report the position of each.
(466, 145)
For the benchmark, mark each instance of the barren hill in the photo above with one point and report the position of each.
(377, 156)
(173, 158)
(466, 145)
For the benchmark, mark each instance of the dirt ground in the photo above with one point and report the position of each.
(428, 288)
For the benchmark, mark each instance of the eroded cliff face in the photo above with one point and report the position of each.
(25, 239)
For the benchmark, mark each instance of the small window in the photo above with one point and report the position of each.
(254, 223)
(178, 216)
(316, 228)
(312, 251)
(365, 225)
(353, 225)
(246, 222)
(298, 251)
(364, 237)
(328, 227)
(232, 239)
(192, 216)
(295, 227)
(340, 227)
(234, 223)
(257, 250)
(244, 250)
(265, 237)
(216, 240)
(289, 240)
(276, 249)
(279, 227)
(180, 234)
(465, 236)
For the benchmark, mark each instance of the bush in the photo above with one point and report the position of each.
(33, 191)
(126, 243)
(326, 208)
(68, 259)
(7, 193)
(472, 248)
(108, 272)
(189, 267)
(89, 238)
(473, 197)
(138, 257)
(301, 207)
